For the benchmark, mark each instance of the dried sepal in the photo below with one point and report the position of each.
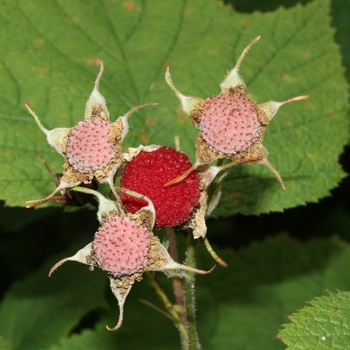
(56, 137)
(124, 119)
(120, 294)
(197, 222)
(146, 214)
(160, 260)
(68, 197)
(188, 103)
(105, 205)
(271, 108)
(215, 195)
(233, 80)
(133, 152)
(82, 255)
(62, 187)
(96, 106)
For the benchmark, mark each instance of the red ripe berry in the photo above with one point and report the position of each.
(148, 172)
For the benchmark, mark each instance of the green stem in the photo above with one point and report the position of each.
(171, 310)
(177, 283)
(189, 294)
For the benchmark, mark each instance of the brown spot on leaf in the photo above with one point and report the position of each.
(311, 156)
(92, 62)
(304, 53)
(281, 75)
(129, 5)
(245, 23)
(331, 111)
(150, 121)
(74, 19)
(43, 68)
(168, 64)
(232, 195)
(144, 137)
(181, 119)
(39, 42)
(188, 11)
(260, 64)
(179, 110)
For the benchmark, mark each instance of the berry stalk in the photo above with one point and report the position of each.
(189, 294)
(176, 318)
(177, 284)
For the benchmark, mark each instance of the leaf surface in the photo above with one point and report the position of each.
(47, 61)
(325, 324)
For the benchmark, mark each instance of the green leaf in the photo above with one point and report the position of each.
(239, 307)
(49, 65)
(98, 339)
(341, 23)
(36, 312)
(324, 325)
(5, 344)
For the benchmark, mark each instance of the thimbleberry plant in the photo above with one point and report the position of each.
(159, 188)
(125, 247)
(93, 148)
(231, 125)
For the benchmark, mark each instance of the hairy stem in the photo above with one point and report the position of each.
(177, 284)
(171, 310)
(189, 293)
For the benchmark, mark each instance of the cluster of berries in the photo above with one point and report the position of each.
(159, 186)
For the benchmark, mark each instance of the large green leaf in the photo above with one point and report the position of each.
(47, 54)
(239, 307)
(324, 325)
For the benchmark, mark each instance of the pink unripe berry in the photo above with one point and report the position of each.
(230, 123)
(121, 247)
(89, 148)
(148, 172)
